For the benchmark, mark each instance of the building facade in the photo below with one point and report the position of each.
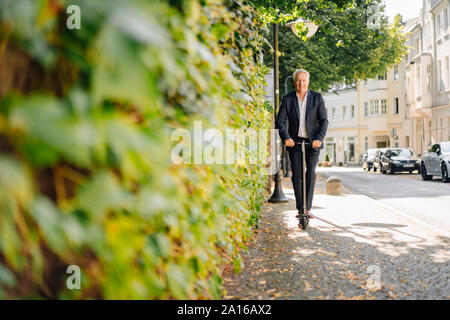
(427, 72)
(408, 106)
(342, 134)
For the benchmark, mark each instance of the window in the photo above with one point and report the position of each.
(429, 78)
(438, 25)
(383, 106)
(408, 91)
(417, 47)
(366, 109)
(396, 107)
(344, 112)
(442, 129)
(445, 146)
(366, 143)
(447, 74)
(372, 107)
(352, 108)
(376, 107)
(401, 152)
(418, 81)
(333, 114)
(445, 19)
(382, 76)
(439, 76)
(396, 72)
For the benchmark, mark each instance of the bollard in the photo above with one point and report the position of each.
(334, 186)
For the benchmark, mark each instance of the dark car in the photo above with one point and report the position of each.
(436, 161)
(377, 159)
(367, 159)
(399, 159)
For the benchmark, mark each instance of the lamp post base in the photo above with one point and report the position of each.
(278, 195)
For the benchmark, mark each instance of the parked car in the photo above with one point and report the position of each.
(436, 161)
(367, 159)
(399, 159)
(377, 159)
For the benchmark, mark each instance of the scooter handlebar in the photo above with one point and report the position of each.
(308, 145)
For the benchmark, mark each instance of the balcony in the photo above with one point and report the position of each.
(373, 84)
(377, 123)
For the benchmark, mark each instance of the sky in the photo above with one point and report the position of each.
(407, 8)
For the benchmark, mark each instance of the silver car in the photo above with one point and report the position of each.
(436, 162)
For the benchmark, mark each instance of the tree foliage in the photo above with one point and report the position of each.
(350, 45)
(86, 116)
(280, 11)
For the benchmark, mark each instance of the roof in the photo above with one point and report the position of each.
(411, 23)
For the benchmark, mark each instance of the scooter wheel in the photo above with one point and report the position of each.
(304, 221)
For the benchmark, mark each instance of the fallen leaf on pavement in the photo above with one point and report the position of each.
(392, 295)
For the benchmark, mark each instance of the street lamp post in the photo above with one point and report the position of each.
(285, 157)
(278, 195)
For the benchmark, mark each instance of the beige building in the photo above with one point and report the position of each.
(342, 134)
(380, 101)
(368, 115)
(427, 72)
(409, 105)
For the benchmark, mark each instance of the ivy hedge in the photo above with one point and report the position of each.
(86, 173)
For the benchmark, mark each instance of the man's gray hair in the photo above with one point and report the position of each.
(299, 71)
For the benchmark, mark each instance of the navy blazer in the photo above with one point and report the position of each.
(316, 117)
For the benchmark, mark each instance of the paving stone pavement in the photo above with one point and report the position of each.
(355, 248)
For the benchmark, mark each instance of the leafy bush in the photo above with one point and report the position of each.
(86, 176)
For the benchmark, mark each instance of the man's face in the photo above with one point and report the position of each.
(301, 82)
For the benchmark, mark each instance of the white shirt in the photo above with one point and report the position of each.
(302, 112)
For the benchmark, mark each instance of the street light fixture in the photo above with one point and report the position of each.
(278, 195)
(312, 27)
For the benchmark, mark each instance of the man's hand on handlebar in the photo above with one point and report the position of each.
(316, 143)
(289, 143)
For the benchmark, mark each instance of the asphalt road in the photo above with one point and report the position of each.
(427, 201)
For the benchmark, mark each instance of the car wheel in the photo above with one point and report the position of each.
(383, 171)
(410, 171)
(374, 169)
(423, 172)
(390, 169)
(444, 172)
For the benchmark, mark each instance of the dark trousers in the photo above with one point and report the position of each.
(312, 158)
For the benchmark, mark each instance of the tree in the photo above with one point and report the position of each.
(352, 43)
(285, 10)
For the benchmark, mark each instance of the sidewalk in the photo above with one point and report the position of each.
(355, 248)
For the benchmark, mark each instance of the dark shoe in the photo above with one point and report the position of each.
(310, 215)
